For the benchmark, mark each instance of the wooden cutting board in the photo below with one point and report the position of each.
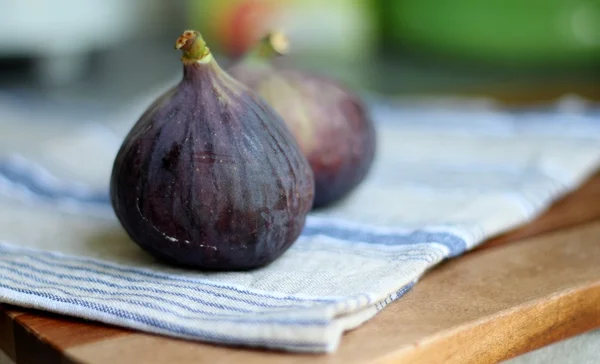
(493, 303)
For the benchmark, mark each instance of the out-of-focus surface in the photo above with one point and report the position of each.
(109, 51)
(581, 349)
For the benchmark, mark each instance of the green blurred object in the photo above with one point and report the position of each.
(548, 32)
(336, 37)
(339, 29)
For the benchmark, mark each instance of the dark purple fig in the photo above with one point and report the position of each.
(329, 122)
(210, 176)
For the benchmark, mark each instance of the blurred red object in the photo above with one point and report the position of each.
(236, 24)
(333, 28)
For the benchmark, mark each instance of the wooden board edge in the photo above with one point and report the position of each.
(508, 336)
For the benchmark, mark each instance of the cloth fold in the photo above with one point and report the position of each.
(444, 180)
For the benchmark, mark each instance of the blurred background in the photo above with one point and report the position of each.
(107, 52)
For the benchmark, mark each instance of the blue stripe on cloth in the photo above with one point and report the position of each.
(57, 258)
(166, 284)
(385, 252)
(164, 326)
(405, 289)
(421, 254)
(69, 290)
(394, 296)
(25, 177)
(455, 244)
(116, 287)
(163, 291)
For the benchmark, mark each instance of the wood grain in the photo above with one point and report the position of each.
(477, 309)
(66, 333)
(7, 330)
(488, 305)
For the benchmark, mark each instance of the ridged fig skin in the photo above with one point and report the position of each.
(210, 177)
(330, 123)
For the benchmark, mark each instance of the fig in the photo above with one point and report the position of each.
(330, 123)
(210, 177)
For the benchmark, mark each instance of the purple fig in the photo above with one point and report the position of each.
(329, 122)
(210, 176)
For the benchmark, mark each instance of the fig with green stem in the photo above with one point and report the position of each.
(330, 123)
(210, 176)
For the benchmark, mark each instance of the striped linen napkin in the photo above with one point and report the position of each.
(445, 179)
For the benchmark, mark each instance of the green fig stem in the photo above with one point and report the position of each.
(193, 47)
(272, 45)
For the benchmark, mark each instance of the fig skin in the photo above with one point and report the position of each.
(330, 123)
(210, 177)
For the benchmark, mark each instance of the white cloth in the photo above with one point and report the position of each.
(444, 180)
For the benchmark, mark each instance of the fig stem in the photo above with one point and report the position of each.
(193, 47)
(273, 44)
